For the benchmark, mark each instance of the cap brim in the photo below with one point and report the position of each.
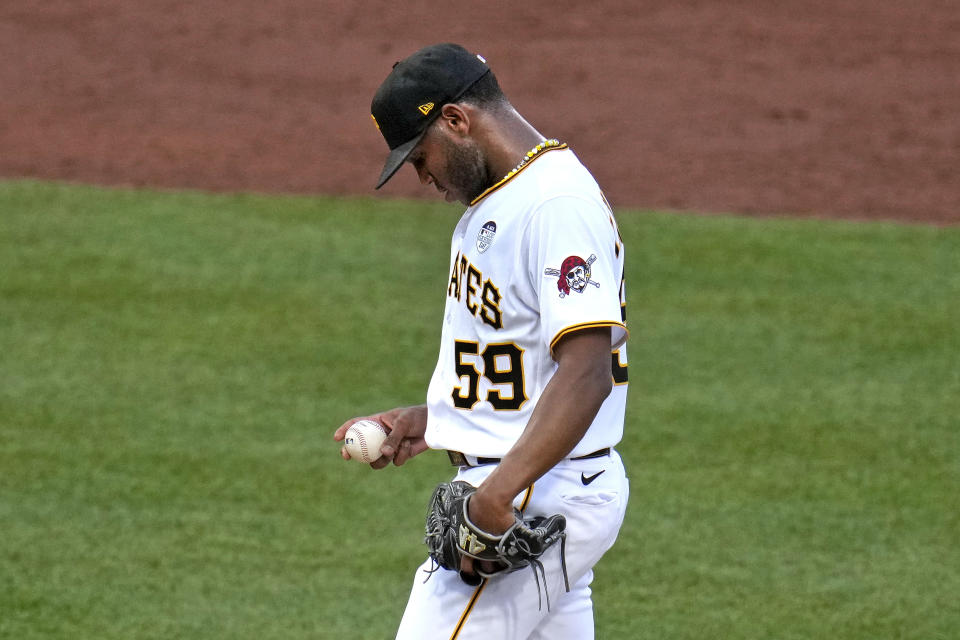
(397, 157)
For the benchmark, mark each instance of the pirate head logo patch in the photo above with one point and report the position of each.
(486, 235)
(573, 274)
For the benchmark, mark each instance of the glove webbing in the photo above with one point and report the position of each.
(534, 564)
(444, 545)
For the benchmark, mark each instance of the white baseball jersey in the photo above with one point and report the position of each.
(533, 258)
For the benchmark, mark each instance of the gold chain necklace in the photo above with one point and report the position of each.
(527, 158)
(530, 155)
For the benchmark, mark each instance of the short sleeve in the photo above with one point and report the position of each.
(575, 261)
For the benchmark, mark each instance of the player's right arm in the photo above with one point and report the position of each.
(406, 426)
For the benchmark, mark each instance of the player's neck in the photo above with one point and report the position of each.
(512, 138)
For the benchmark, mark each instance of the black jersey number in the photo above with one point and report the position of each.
(502, 366)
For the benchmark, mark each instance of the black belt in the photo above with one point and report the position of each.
(458, 459)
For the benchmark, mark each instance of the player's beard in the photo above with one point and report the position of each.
(467, 173)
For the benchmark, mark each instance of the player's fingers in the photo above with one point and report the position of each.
(391, 445)
(341, 431)
(380, 462)
(404, 452)
(388, 450)
(466, 566)
(418, 446)
(409, 447)
(344, 453)
(488, 566)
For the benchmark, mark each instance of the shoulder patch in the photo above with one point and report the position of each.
(486, 236)
(573, 274)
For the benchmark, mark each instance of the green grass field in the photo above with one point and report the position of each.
(172, 366)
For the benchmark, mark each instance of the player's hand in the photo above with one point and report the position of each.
(405, 428)
(491, 515)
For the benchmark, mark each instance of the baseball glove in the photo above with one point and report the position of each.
(450, 534)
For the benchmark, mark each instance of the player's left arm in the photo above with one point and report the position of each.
(558, 423)
(588, 323)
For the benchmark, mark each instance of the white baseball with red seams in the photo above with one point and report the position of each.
(364, 439)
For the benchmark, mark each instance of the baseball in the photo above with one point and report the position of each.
(363, 440)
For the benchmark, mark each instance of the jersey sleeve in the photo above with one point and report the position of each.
(575, 263)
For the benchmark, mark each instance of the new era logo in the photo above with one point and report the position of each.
(426, 108)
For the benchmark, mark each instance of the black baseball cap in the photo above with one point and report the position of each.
(411, 97)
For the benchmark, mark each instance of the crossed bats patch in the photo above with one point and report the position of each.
(573, 274)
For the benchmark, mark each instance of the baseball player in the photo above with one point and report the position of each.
(530, 387)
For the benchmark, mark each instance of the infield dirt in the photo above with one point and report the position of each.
(846, 108)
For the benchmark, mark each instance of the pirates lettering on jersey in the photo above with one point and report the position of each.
(481, 297)
(573, 274)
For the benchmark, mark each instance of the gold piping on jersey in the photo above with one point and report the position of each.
(526, 499)
(466, 612)
(476, 594)
(586, 325)
(528, 160)
(619, 370)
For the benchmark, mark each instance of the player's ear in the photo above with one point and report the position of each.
(456, 117)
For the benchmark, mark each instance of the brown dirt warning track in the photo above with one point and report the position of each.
(848, 108)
